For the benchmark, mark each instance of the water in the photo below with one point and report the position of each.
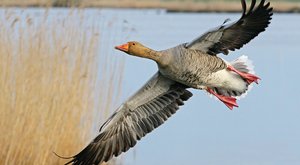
(263, 130)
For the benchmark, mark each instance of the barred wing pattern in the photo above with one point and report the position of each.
(153, 104)
(235, 35)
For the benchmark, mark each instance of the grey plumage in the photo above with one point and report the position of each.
(153, 104)
(188, 65)
(183, 65)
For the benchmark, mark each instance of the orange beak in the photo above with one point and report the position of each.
(123, 47)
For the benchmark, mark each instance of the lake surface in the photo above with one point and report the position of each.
(264, 130)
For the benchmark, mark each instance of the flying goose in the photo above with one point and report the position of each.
(188, 65)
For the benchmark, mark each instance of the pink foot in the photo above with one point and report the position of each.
(250, 78)
(230, 102)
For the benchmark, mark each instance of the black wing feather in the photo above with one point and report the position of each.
(126, 126)
(234, 36)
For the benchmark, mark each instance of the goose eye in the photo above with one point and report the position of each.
(133, 43)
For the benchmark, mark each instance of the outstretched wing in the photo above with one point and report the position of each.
(153, 104)
(234, 36)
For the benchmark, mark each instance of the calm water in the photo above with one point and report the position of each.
(264, 130)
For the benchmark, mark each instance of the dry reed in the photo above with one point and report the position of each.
(51, 76)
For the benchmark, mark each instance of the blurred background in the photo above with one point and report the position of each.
(61, 78)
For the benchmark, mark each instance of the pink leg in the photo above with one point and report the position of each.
(247, 76)
(230, 102)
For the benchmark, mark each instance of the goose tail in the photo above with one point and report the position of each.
(240, 73)
(245, 69)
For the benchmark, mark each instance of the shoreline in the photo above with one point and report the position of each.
(281, 7)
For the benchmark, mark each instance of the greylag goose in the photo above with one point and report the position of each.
(188, 65)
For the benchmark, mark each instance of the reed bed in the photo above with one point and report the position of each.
(54, 86)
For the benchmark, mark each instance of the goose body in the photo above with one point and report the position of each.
(189, 65)
(196, 69)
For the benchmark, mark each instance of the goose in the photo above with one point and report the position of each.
(189, 65)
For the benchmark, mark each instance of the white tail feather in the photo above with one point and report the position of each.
(244, 64)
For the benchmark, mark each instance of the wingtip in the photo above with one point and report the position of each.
(244, 6)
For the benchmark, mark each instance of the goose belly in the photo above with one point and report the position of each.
(198, 79)
(193, 71)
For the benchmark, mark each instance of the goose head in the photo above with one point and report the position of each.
(137, 49)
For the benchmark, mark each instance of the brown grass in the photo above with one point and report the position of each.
(49, 84)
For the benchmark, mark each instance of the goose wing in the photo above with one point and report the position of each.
(235, 35)
(153, 104)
